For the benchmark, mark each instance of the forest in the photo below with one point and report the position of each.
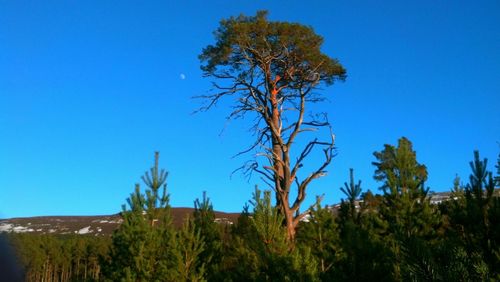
(274, 72)
(394, 236)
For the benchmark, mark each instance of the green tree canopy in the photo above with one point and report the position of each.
(412, 222)
(398, 169)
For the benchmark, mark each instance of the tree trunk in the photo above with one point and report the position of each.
(282, 184)
(290, 227)
(277, 152)
(85, 273)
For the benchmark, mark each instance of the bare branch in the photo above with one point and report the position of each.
(329, 153)
(299, 121)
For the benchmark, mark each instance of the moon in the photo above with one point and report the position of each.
(182, 76)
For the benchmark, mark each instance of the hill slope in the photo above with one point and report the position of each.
(96, 225)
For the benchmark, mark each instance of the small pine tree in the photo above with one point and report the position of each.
(141, 246)
(474, 228)
(156, 204)
(406, 208)
(481, 184)
(268, 223)
(406, 205)
(187, 254)
(321, 234)
(480, 206)
(352, 192)
(260, 250)
(458, 188)
(457, 196)
(278, 261)
(211, 232)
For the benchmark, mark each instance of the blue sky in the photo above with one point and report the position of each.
(90, 89)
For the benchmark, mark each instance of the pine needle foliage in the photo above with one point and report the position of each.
(352, 192)
(268, 223)
(142, 245)
(211, 233)
(190, 265)
(406, 208)
(321, 235)
(479, 218)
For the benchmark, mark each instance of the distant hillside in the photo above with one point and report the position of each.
(96, 225)
(105, 224)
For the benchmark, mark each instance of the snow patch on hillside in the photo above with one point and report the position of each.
(9, 227)
(84, 230)
(6, 227)
(22, 229)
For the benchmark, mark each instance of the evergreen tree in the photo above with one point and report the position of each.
(190, 264)
(352, 192)
(277, 260)
(58, 257)
(320, 233)
(260, 250)
(244, 223)
(412, 221)
(142, 245)
(479, 219)
(267, 221)
(364, 256)
(240, 262)
(481, 185)
(211, 232)
(470, 251)
(458, 189)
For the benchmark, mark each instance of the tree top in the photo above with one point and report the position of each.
(290, 50)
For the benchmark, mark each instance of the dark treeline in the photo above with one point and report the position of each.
(397, 235)
(61, 257)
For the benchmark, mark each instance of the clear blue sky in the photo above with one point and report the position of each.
(90, 89)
